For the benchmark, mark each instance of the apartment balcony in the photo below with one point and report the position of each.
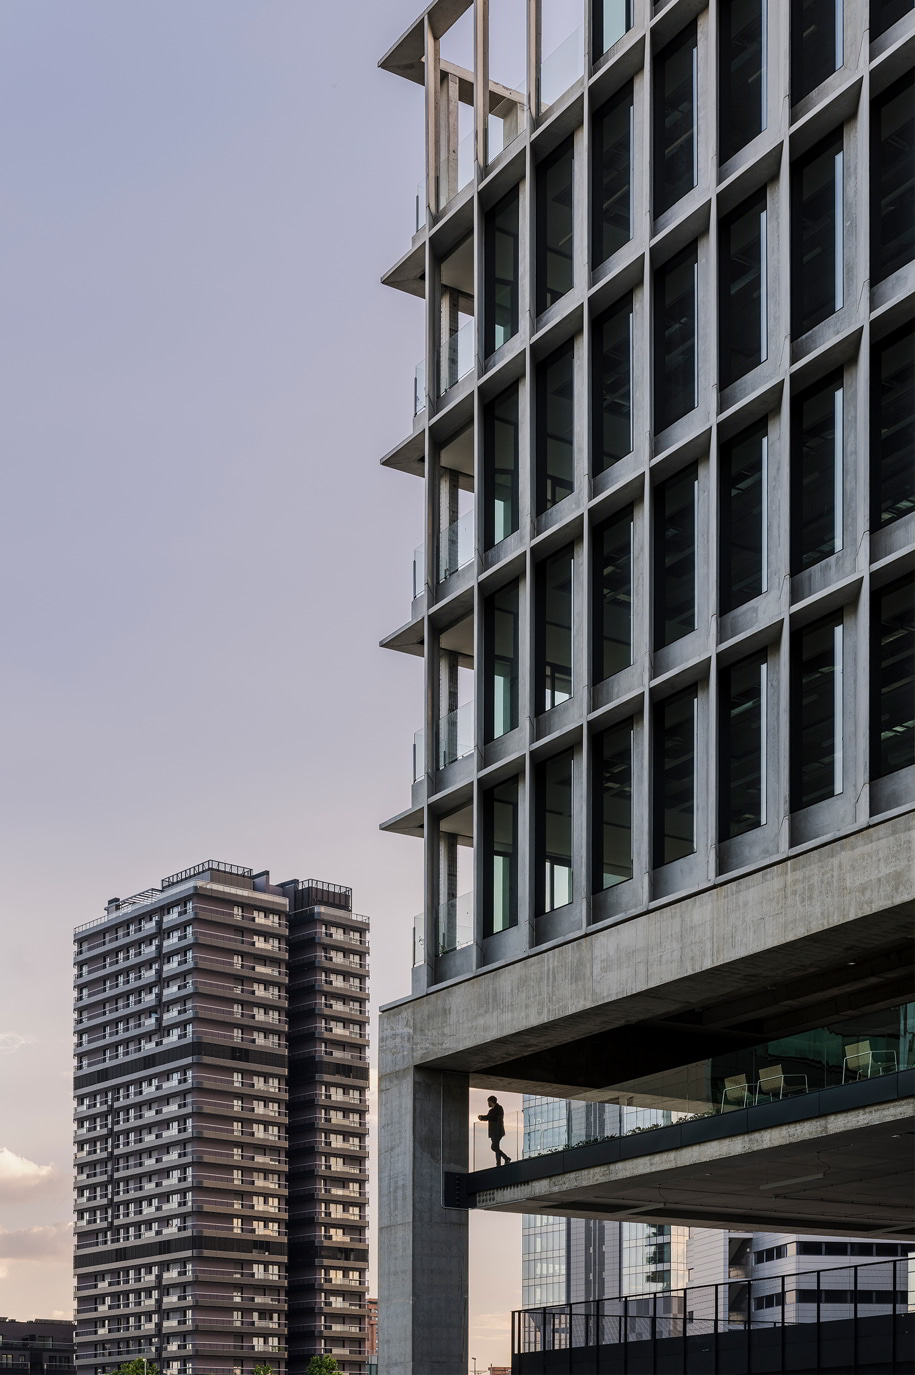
(457, 358)
(456, 546)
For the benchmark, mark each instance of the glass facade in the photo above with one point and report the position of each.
(612, 595)
(676, 594)
(893, 427)
(610, 20)
(676, 146)
(675, 734)
(611, 387)
(743, 545)
(742, 294)
(556, 428)
(818, 235)
(676, 355)
(817, 43)
(611, 197)
(816, 713)
(501, 435)
(554, 629)
(892, 171)
(742, 106)
(555, 227)
(553, 826)
(611, 806)
(742, 741)
(817, 506)
(500, 817)
(893, 678)
(501, 273)
(502, 661)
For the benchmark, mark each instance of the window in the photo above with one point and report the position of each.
(885, 13)
(611, 386)
(500, 466)
(816, 473)
(818, 240)
(816, 713)
(676, 510)
(554, 629)
(501, 273)
(501, 649)
(611, 162)
(893, 427)
(743, 550)
(500, 837)
(742, 108)
(611, 19)
(555, 262)
(675, 725)
(817, 47)
(556, 427)
(611, 806)
(612, 595)
(742, 294)
(676, 359)
(742, 747)
(893, 178)
(893, 678)
(554, 832)
(676, 153)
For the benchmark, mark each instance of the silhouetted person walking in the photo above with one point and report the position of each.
(496, 1119)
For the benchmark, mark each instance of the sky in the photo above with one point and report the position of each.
(199, 373)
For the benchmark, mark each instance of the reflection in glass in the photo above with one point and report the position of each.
(676, 509)
(742, 112)
(612, 595)
(555, 264)
(676, 358)
(611, 19)
(893, 678)
(742, 294)
(500, 829)
(501, 273)
(676, 154)
(675, 726)
(500, 466)
(554, 629)
(501, 649)
(611, 806)
(885, 13)
(611, 386)
(817, 43)
(816, 473)
(611, 162)
(554, 832)
(555, 427)
(817, 236)
(893, 178)
(893, 427)
(816, 713)
(742, 729)
(743, 533)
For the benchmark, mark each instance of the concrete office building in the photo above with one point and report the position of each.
(211, 1217)
(666, 774)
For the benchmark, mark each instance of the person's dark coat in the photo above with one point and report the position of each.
(495, 1119)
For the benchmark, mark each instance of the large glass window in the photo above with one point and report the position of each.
(893, 427)
(816, 473)
(676, 512)
(556, 427)
(554, 832)
(611, 19)
(500, 842)
(817, 233)
(742, 112)
(817, 43)
(611, 163)
(742, 747)
(611, 547)
(743, 551)
(885, 13)
(611, 386)
(500, 467)
(893, 178)
(555, 223)
(554, 629)
(816, 713)
(611, 806)
(676, 358)
(676, 152)
(501, 648)
(742, 294)
(501, 273)
(893, 677)
(675, 727)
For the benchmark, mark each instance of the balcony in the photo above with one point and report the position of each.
(419, 387)
(561, 68)
(455, 545)
(454, 924)
(455, 735)
(457, 357)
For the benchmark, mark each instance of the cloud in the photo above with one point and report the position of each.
(492, 1324)
(37, 1243)
(19, 1176)
(11, 1041)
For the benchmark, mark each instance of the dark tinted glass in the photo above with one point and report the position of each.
(611, 163)
(893, 678)
(554, 833)
(612, 595)
(884, 13)
(742, 544)
(675, 357)
(742, 747)
(816, 43)
(610, 19)
(611, 391)
(817, 239)
(816, 727)
(675, 148)
(816, 473)
(555, 428)
(501, 308)
(893, 178)
(675, 777)
(742, 295)
(675, 557)
(611, 806)
(554, 227)
(741, 74)
(893, 427)
(501, 643)
(500, 842)
(554, 629)
(500, 460)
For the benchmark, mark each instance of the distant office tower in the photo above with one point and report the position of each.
(194, 1247)
(43, 1346)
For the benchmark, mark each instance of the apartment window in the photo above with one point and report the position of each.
(556, 427)
(816, 713)
(611, 386)
(818, 239)
(610, 19)
(676, 357)
(554, 629)
(675, 744)
(742, 110)
(500, 467)
(500, 839)
(817, 44)
(743, 550)
(676, 569)
(742, 747)
(676, 152)
(611, 806)
(893, 678)
(555, 262)
(893, 427)
(892, 173)
(885, 13)
(816, 473)
(554, 832)
(501, 273)
(742, 293)
(501, 625)
(611, 163)
(612, 595)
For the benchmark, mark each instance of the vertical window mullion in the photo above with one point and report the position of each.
(838, 723)
(839, 223)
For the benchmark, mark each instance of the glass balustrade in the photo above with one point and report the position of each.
(457, 358)
(421, 205)
(454, 175)
(561, 68)
(419, 387)
(419, 755)
(455, 548)
(419, 570)
(506, 122)
(455, 735)
(454, 924)
(419, 939)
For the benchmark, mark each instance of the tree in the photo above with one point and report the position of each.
(265, 1369)
(137, 1367)
(322, 1365)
